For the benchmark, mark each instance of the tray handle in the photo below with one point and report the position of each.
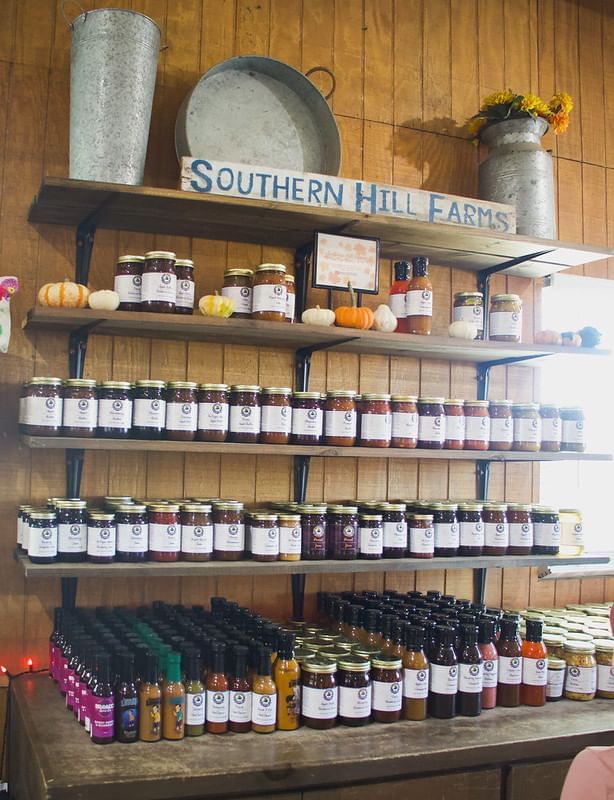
(330, 73)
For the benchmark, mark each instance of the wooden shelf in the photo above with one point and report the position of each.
(241, 568)
(61, 201)
(269, 334)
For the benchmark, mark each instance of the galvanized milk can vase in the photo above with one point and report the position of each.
(113, 64)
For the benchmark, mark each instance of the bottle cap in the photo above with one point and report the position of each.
(535, 630)
(264, 661)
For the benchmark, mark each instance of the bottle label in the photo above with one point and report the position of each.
(547, 534)
(387, 696)
(455, 428)
(290, 306)
(371, 540)
(127, 717)
(240, 709)
(319, 703)
(195, 708)
(269, 297)
(501, 429)
(416, 683)
(264, 709)
(551, 429)
(229, 537)
(471, 534)
(470, 678)
(115, 413)
(496, 534)
(521, 534)
(432, 429)
(101, 541)
(477, 429)
(217, 706)
(181, 416)
(80, 413)
(505, 323)
(573, 431)
(422, 540)
(419, 303)
(555, 682)
(404, 424)
(307, 421)
(128, 287)
(527, 430)
(605, 678)
(376, 426)
(132, 538)
(340, 423)
(395, 534)
(354, 703)
(164, 538)
(185, 293)
(45, 412)
(577, 535)
(197, 539)
(397, 305)
(149, 413)
(242, 299)
(473, 314)
(102, 717)
(245, 419)
(276, 419)
(72, 538)
(489, 673)
(510, 669)
(446, 534)
(581, 679)
(444, 680)
(534, 671)
(290, 541)
(158, 287)
(265, 541)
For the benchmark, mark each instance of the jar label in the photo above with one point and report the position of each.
(510, 669)
(398, 305)
(490, 673)
(496, 534)
(422, 540)
(158, 287)
(404, 424)
(276, 419)
(471, 534)
(132, 538)
(473, 314)
(181, 416)
(22, 410)
(101, 541)
(505, 323)
(521, 534)
(432, 429)
(290, 541)
(555, 681)
(265, 541)
(307, 422)
(527, 430)
(354, 703)
(319, 703)
(128, 287)
(605, 678)
(45, 412)
(534, 671)
(387, 696)
(81, 413)
(446, 534)
(197, 538)
(477, 429)
(376, 426)
(340, 424)
(245, 419)
(217, 706)
(573, 431)
(455, 428)
(72, 538)
(229, 537)
(444, 680)
(501, 429)
(185, 293)
(240, 708)
(371, 540)
(416, 683)
(470, 678)
(149, 413)
(290, 306)
(395, 534)
(164, 538)
(102, 722)
(582, 680)
(547, 534)
(551, 429)
(213, 416)
(264, 709)
(242, 299)
(43, 542)
(577, 534)
(269, 297)
(419, 303)
(115, 414)
(195, 708)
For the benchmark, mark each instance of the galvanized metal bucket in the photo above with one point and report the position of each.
(113, 63)
(519, 171)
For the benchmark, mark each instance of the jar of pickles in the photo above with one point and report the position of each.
(477, 425)
(551, 428)
(527, 427)
(404, 430)
(469, 307)
(455, 424)
(581, 673)
(505, 318)
(501, 425)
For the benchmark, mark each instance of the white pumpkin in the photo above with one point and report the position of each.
(318, 316)
(463, 330)
(104, 300)
(384, 320)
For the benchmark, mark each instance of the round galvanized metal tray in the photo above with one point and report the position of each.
(256, 110)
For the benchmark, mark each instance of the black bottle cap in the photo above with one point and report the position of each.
(150, 674)
(398, 630)
(509, 629)
(270, 635)
(448, 599)
(371, 619)
(264, 661)
(419, 263)
(445, 636)
(103, 667)
(414, 637)
(217, 655)
(353, 614)
(386, 624)
(239, 660)
(535, 630)
(194, 667)
(469, 634)
(285, 645)
(401, 270)
(125, 663)
(486, 631)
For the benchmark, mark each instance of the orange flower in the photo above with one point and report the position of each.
(559, 121)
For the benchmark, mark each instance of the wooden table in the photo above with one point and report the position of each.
(51, 757)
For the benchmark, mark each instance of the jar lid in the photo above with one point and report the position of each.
(85, 383)
(127, 259)
(150, 384)
(386, 662)
(241, 387)
(337, 509)
(213, 387)
(196, 508)
(71, 503)
(184, 262)
(307, 395)
(525, 406)
(501, 403)
(124, 498)
(341, 393)
(182, 385)
(495, 506)
(556, 663)
(271, 268)
(290, 279)
(245, 273)
(570, 511)
(228, 505)
(264, 516)
(132, 508)
(163, 508)
(462, 295)
(453, 402)
(544, 510)
(353, 663)
(437, 400)
(368, 651)
(311, 508)
(285, 390)
(103, 516)
(469, 506)
(445, 505)
(370, 517)
(161, 254)
(317, 664)
(478, 403)
(404, 398)
(502, 298)
(554, 639)
(42, 514)
(422, 517)
(578, 636)
(45, 381)
(287, 517)
(368, 503)
(391, 507)
(604, 644)
(302, 654)
(548, 406)
(378, 397)
(574, 646)
(26, 508)
(572, 408)
(519, 507)
(116, 385)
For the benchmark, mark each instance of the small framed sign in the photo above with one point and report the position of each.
(339, 260)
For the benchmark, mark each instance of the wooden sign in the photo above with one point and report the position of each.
(347, 194)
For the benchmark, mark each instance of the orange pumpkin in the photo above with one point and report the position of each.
(65, 295)
(352, 316)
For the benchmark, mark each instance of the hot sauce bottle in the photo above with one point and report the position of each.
(287, 673)
(103, 704)
(150, 699)
(419, 298)
(398, 290)
(490, 662)
(217, 691)
(470, 671)
(240, 694)
(264, 694)
(126, 702)
(510, 665)
(195, 697)
(415, 674)
(173, 700)
(443, 675)
(534, 665)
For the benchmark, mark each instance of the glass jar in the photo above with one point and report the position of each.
(551, 428)
(148, 409)
(290, 536)
(342, 532)
(101, 537)
(132, 532)
(181, 411)
(244, 414)
(477, 425)
(71, 518)
(290, 298)
(213, 412)
(421, 535)
(404, 421)
(394, 527)
(128, 280)
(387, 688)
(527, 427)
(501, 425)
(307, 418)
(196, 532)
(184, 298)
(115, 409)
(375, 420)
(455, 424)
(370, 536)
(42, 407)
(496, 530)
(431, 423)
(264, 537)
(238, 286)
(555, 679)
(546, 531)
(270, 295)
(471, 529)
(573, 435)
(581, 672)
(604, 653)
(469, 307)
(572, 532)
(319, 693)
(505, 318)
(555, 644)
(23, 522)
(313, 528)
(276, 415)
(446, 529)
(42, 544)
(228, 531)
(164, 531)
(354, 684)
(79, 408)
(159, 282)
(340, 419)
(520, 529)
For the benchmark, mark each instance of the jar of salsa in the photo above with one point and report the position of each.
(313, 527)
(505, 318)
(127, 284)
(370, 536)
(196, 532)
(551, 428)
(546, 531)
(164, 531)
(496, 530)
(80, 408)
(115, 409)
(520, 529)
(228, 531)
(159, 282)
(264, 537)
(394, 527)
(375, 420)
(501, 425)
(477, 425)
(42, 407)
(148, 409)
(387, 688)
(471, 529)
(290, 298)
(527, 427)
(72, 530)
(431, 423)
(238, 286)
(244, 414)
(342, 532)
(319, 703)
(340, 419)
(455, 424)
(421, 535)
(404, 421)
(213, 412)
(354, 684)
(184, 298)
(42, 536)
(469, 307)
(290, 536)
(181, 411)
(446, 529)
(132, 532)
(573, 435)
(307, 418)
(101, 537)
(276, 415)
(269, 296)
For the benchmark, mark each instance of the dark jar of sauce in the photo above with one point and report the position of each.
(184, 297)
(501, 425)
(244, 414)
(196, 532)
(164, 531)
(431, 423)
(477, 425)
(354, 684)
(313, 527)
(159, 282)
(307, 418)
(471, 529)
(342, 532)
(551, 428)
(340, 419)
(319, 698)
(276, 415)
(101, 537)
(128, 280)
(72, 529)
(213, 412)
(455, 424)
(80, 408)
(264, 537)
(496, 530)
(387, 688)
(573, 439)
(148, 409)
(228, 531)
(546, 531)
(42, 544)
(421, 535)
(404, 421)
(521, 530)
(238, 287)
(394, 527)
(115, 409)
(443, 675)
(132, 532)
(375, 420)
(42, 407)
(181, 411)
(446, 529)
(370, 536)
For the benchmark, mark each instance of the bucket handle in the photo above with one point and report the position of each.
(329, 72)
(63, 10)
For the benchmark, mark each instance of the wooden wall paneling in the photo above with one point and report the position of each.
(156, 173)
(569, 176)
(567, 75)
(34, 27)
(7, 31)
(378, 60)
(436, 77)
(317, 21)
(348, 58)
(592, 590)
(407, 62)
(608, 82)
(594, 204)
(252, 33)
(533, 46)
(218, 32)
(592, 109)
(464, 63)
(285, 40)
(566, 592)
(545, 61)
(516, 45)
(491, 46)
(609, 179)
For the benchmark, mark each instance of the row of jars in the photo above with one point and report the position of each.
(202, 529)
(504, 318)
(184, 411)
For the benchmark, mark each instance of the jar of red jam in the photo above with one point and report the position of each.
(128, 280)
(477, 425)
(375, 420)
(496, 530)
(573, 437)
(181, 411)
(132, 532)
(370, 536)
(404, 421)
(455, 424)
(307, 418)
(149, 409)
(42, 545)
(115, 409)
(421, 535)
(269, 294)
(354, 685)
(501, 425)
(520, 529)
(342, 532)
(72, 529)
(159, 282)
(42, 407)
(387, 685)
(446, 529)
(101, 537)
(313, 527)
(80, 408)
(551, 428)
(471, 529)
(238, 287)
(213, 412)
(184, 297)
(244, 414)
(264, 536)
(394, 528)
(340, 419)
(228, 531)
(196, 532)
(431, 423)
(319, 700)
(275, 415)
(164, 531)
